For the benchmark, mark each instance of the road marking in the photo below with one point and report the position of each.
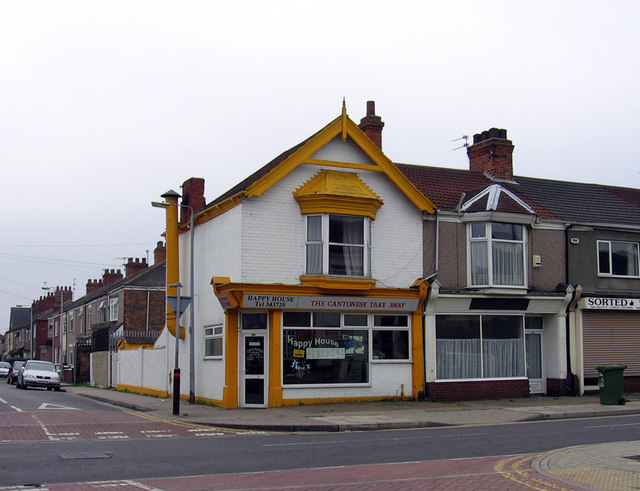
(55, 436)
(3, 401)
(611, 426)
(516, 469)
(46, 405)
(16, 408)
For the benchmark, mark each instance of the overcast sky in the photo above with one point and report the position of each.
(106, 105)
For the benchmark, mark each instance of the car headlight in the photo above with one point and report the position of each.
(28, 376)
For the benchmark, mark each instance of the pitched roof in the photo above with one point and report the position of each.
(572, 202)
(448, 189)
(153, 276)
(342, 125)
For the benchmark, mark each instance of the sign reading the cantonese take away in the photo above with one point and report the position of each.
(257, 301)
(605, 303)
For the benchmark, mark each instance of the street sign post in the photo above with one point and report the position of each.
(175, 305)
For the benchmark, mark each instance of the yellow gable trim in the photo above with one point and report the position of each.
(342, 125)
(332, 191)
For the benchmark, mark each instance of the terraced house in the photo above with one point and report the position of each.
(334, 274)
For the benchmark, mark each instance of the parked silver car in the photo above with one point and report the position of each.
(4, 368)
(37, 373)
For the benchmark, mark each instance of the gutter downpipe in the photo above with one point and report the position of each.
(575, 339)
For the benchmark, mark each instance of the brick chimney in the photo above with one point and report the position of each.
(492, 153)
(93, 285)
(52, 300)
(372, 125)
(193, 196)
(159, 253)
(110, 276)
(133, 266)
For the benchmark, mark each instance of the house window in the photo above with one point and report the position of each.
(102, 312)
(113, 309)
(472, 346)
(496, 254)
(326, 348)
(71, 322)
(213, 341)
(337, 245)
(618, 258)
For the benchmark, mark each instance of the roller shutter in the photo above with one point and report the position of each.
(611, 337)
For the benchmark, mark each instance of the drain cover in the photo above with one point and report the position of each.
(84, 455)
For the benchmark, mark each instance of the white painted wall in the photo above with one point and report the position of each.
(144, 367)
(273, 235)
(262, 241)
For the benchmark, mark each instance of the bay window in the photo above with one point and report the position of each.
(618, 258)
(337, 245)
(496, 254)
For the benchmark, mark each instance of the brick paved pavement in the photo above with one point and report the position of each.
(513, 473)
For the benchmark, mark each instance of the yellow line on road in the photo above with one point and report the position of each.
(517, 470)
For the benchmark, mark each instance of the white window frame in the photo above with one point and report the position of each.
(490, 241)
(214, 331)
(113, 309)
(610, 273)
(482, 348)
(324, 242)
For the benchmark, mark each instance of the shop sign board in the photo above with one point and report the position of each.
(609, 303)
(379, 304)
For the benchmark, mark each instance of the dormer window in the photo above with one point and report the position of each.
(337, 245)
(496, 254)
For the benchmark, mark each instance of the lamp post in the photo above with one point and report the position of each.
(192, 376)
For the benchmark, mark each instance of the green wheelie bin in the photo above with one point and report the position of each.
(610, 381)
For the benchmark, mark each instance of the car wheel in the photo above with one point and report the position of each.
(57, 389)
(23, 386)
(17, 384)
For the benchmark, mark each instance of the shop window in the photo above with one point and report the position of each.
(390, 337)
(213, 341)
(496, 254)
(337, 245)
(618, 258)
(488, 346)
(326, 348)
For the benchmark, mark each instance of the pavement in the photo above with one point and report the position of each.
(607, 466)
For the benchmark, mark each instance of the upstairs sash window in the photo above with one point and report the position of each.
(337, 245)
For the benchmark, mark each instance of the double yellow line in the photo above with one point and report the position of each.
(518, 469)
